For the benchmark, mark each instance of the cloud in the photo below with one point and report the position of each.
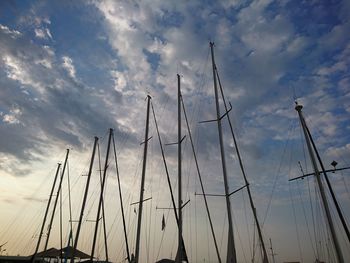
(43, 33)
(12, 33)
(68, 65)
(12, 117)
(41, 104)
(119, 80)
(58, 94)
(265, 48)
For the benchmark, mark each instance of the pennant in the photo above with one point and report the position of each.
(163, 223)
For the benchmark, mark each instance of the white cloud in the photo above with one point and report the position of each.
(43, 33)
(119, 80)
(12, 33)
(49, 50)
(68, 65)
(12, 116)
(17, 70)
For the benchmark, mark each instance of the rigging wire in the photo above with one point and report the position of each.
(239, 236)
(149, 216)
(207, 237)
(200, 180)
(25, 206)
(121, 199)
(324, 231)
(29, 230)
(246, 223)
(154, 226)
(241, 166)
(166, 167)
(34, 217)
(316, 252)
(278, 172)
(196, 109)
(102, 200)
(345, 184)
(161, 243)
(305, 217)
(318, 221)
(23, 210)
(312, 215)
(338, 207)
(295, 220)
(222, 232)
(293, 202)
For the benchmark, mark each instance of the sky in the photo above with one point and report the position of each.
(69, 71)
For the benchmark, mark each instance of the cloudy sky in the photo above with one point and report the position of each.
(70, 71)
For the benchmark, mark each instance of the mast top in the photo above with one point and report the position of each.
(298, 107)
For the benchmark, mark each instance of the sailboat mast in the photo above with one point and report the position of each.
(137, 249)
(338, 252)
(179, 167)
(337, 206)
(84, 200)
(100, 204)
(56, 200)
(46, 212)
(231, 251)
(70, 207)
(184, 254)
(265, 257)
(61, 228)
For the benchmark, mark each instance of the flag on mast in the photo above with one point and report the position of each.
(163, 223)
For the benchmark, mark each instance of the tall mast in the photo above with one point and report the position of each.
(137, 250)
(338, 252)
(101, 200)
(70, 208)
(337, 206)
(184, 254)
(261, 239)
(231, 251)
(46, 212)
(56, 200)
(84, 200)
(61, 229)
(179, 258)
